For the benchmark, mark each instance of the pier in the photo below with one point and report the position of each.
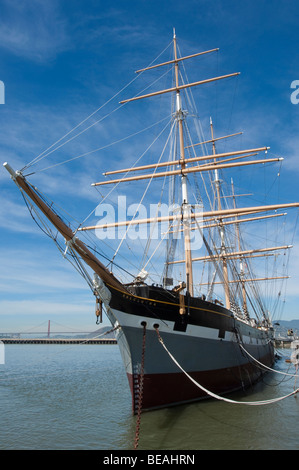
(58, 340)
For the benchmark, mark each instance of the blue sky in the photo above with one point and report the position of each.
(61, 60)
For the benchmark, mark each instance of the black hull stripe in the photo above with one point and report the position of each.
(201, 313)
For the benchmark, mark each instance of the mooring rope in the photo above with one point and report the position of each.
(266, 367)
(218, 397)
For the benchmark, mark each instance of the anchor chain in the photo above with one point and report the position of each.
(140, 391)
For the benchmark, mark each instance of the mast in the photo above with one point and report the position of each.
(237, 254)
(193, 169)
(185, 204)
(245, 153)
(186, 212)
(241, 262)
(221, 227)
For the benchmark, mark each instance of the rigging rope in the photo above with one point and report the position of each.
(114, 187)
(145, 191)
(158, 246)
(45, 154)
(97, 149)
(218, 397)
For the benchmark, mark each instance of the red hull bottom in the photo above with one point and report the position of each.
(163, 390)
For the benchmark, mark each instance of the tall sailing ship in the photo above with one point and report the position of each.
(208, 309)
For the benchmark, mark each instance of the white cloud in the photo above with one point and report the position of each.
(34, 272)
(35, 29)
(38, 307)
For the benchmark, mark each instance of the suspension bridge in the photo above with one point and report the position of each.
(39, 335)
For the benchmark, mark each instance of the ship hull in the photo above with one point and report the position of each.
(208, 344)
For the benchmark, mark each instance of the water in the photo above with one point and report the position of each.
(70, 397)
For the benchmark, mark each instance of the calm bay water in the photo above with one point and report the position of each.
(70, 397)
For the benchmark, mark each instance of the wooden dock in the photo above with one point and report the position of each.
(58, 340)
